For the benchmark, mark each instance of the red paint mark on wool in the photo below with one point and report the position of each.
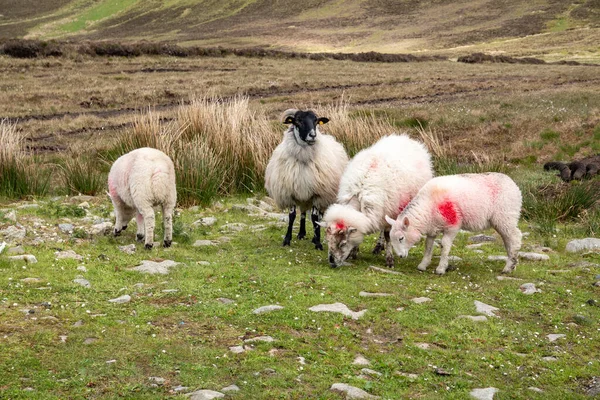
(340, 225)
(493, 187)
(112, 189)
(402, 205)
(373, 164)
(448, 211)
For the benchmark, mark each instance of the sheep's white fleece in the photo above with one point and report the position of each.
(137, 181)
(380, 180)
(305, 176)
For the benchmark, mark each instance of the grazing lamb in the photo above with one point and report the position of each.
(304, 171)
(138, 181)
(584, 168)
(380, 180)
(449, 203)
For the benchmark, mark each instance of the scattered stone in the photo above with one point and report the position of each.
(339, 308)
(205, 395)
(301, 360)
(578, 245)
(203, 263)
(231, 388)
(31, 280)
(90, 340)
(507, 278)
(206, 221)
(497, 258)
(534, 389)
(476, 245)
(66, 228)
(442, 372)
(420, 300)
(84, 205)
(78, 324)
(13, 233)
(552, 337)
(237, 349)
(15, 250)
(267, 339)
(111, 361)
(225, 300)
(224, 239)
(593, 387)
(83, 282)
(28, 258)
(121, 299)
(258, 228)
(12, 216)
(180, 388)
(80, 198)
(481, 239)
(406, 375)
(550, 359)
(476, 318)
(584, 264)
(369, 294)
(384, 270)
(82, 268)
(582, 320)
(2, 246)
(484, 394)
(478, 251)
(351, 392)
(129, 249)
(266, 309)
(28, 206)
(234, 227)
(370, 372)
(153, 267)
(157, 379)
(533, 256)
(529, 288)
(203, 243)
(360, 360)
(486, 309)
(423, 346)
(170, 291)
(67, 254)
(103, 228)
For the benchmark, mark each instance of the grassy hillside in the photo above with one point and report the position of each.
(550, 27)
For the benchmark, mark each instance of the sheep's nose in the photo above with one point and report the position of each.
(312, 134)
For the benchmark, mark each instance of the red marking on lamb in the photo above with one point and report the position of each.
(340, 225)
(493, 187)
(374, 164)
(402, 205)
(112, 189)
(448, 211)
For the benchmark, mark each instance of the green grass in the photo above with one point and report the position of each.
(184, 336)
(99, 11)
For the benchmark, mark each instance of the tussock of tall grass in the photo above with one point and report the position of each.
(81, 174)
(19, 176)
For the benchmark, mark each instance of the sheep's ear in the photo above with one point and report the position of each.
(406, 222)
(389, 220)
(351, 230)
(322, 120)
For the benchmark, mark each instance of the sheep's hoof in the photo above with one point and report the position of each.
(389, 262)
(148, 246)
(125, 227)
(286, 241)
(440, 271)
(422, 267)
(378, 248)
(139, 237)
(167, 243)
(117, 232)
(301, 235)
(318, 246)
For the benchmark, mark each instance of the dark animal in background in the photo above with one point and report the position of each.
(578, 169)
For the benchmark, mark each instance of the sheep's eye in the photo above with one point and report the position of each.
(401, 238)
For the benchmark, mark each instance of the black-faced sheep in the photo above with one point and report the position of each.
(304, 171)
(584, 168)
(138, 181)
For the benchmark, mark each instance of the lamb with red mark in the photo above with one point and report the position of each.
(447, 204)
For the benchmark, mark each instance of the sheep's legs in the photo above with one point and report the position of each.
(447, 240)
(292, 217)
(512, 243)
(168, 226)
(315, 216)
(428, 253)
(353, 253)
(140, 227)
(389, 253)
(380, 245)
(302, 231)
(123, 215)
(149, 222)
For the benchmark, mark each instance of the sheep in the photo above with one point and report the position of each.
(380, 180)
(449, 203)
(304, 171)
(138, 181)
(578, 169)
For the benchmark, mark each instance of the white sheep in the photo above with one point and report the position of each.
(138, 181)
(380, 180)
(447, 204)
(304, 171)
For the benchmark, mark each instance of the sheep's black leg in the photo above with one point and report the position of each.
(577, 170)
(565, 173)
(315, 217)
(288, 236)
(302, 231)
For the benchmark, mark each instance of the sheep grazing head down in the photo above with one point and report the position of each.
(342, 241)
(305, 124)
(403, 235)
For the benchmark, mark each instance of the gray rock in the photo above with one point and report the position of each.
(534, 389)
(384, 270)
(423, 346)
(103, 228)
(67, 254)
(203, 263)
(157, 379)
(170, 291)
(90, 340)
(578, 245)
(234, 227)
(529, 288)
(476, 318)
(484, 394)
(12, 216)
(129, 249)
(237, 349)
(224, 239)
(476, 245)
(121, 299)
(552, 337)
(370, 372)
(15, 250)
(267, 339)
(225, 300)
(481, 239)
(179, 389)
(231, 388)
(203, 243)
(83, 282)
(31, 280)
(84, 205)
(369, 294)
(507, 278)
(205, 395)
(582, 320)
(66, 228)
(80, 199)
(486, 309)
(420, 300)
(360, 360)
(3, 246)
(206, 221)
(82, 268)
(28, 258)
(406, 375)
(13, 233)
(338, 308)
(533, 256)
(351, 392)
(266, 309)
(550, 359)
(153, 267)
(497, 258)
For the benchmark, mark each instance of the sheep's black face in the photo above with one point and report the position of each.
(306, 126)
